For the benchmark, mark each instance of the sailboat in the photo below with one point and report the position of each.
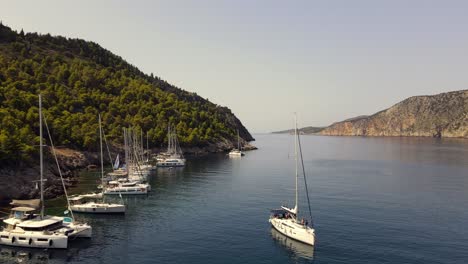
(173, 157)
(285, 219)
(25, 228)
(130, 181)
(237, 152)
(94, 203)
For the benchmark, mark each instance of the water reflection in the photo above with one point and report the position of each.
(41, 256)
(296, 248)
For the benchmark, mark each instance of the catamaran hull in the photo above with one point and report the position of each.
(33, 240)
(293, 230)
(80, 230)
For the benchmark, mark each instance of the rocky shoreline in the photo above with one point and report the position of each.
(18, 183)
(442, 115)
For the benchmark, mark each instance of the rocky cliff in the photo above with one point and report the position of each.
(441, 115)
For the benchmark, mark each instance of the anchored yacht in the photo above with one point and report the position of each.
(92, 203)
(285, 219)
(237, 152)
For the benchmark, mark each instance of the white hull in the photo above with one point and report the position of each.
(236, 154)
(98, 208)
(167, 164)
(80, 230)
(125, 191)
(300, 249)
(33, 239)
(290, 228)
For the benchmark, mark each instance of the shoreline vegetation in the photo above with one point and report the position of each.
(78, 80)
(443, 115)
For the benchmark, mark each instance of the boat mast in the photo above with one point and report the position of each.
(296, 160)
(41, 156)
(147, 147)
(142, 146)
(238, 140)
(126, 149)
(100, 145)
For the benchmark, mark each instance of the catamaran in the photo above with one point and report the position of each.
(94, 203)
(237, 152)
(285, 219)
(25, 228)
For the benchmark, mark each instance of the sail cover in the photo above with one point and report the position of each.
(34, 203)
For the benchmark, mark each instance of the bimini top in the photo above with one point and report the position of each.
(35, 203)
(40, 223)
(23, 209)
(278, 211)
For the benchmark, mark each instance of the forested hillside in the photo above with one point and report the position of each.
(79, 79)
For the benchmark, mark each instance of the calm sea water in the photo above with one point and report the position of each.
(374, 200)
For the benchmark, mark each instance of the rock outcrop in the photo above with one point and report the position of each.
(441, 115)
(20, 182)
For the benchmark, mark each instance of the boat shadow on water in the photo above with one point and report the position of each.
(295, 248)
(9, 254)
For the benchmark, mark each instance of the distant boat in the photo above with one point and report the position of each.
(94, 203)
(285, 219)
(237, 152)
(125, 188)
(173, 157)
(24, 228)
(130, 180)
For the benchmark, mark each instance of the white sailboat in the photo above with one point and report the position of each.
(173, 157)
(25, 228)
(237, 152)
(132, 182)
(285, 219)
(94, 203)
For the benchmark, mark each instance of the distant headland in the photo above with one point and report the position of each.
(441, 115)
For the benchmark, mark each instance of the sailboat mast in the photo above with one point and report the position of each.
(238, 140)
(125, 148)
(100, 145)
(147, 147)
(296, 160)
(41, 156)
(142, 148)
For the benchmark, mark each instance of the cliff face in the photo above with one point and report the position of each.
(441, 115)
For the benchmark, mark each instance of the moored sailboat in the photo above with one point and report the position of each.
(237, 152)
(285, 219)
(94, 203)
(173, 157)
(132, 180)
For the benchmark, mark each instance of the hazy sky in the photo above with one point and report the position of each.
(326, 60)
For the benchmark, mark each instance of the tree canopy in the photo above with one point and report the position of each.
(79, 79)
